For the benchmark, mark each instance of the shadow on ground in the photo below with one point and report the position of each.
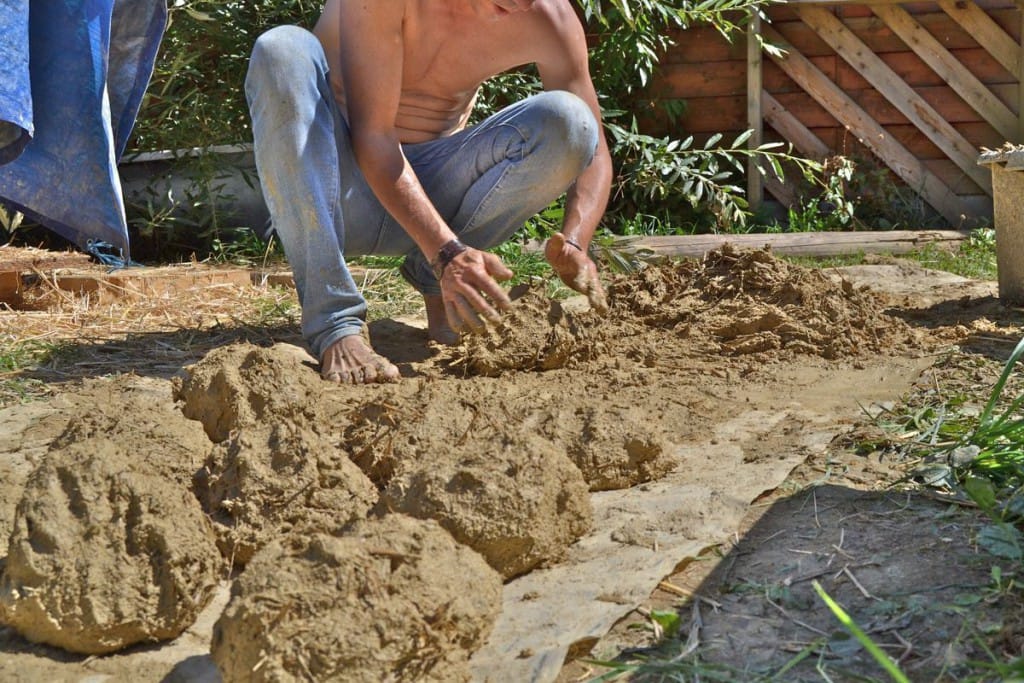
(164, 354)
(904, 566)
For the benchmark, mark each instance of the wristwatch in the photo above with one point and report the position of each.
(445, 255)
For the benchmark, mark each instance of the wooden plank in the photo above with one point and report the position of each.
(902, 96)
(705, 79)
(986, 31)
(1020, 86)
(702, 44)
(952, 71)
(787, 125)
(849, 113)
(875, 34)
(784, 193)
(755, 118)
(800, 243)
(945, 101)
(912, 69)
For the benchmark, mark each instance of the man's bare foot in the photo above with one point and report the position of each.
(351, 360)
(437, 321)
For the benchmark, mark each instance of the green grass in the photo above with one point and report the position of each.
(16, 356)
(975, 258)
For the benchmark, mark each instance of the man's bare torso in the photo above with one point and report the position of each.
(449, 48)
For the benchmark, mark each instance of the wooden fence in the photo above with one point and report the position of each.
(917, 89)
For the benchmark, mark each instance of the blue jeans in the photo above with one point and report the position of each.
(485, 180)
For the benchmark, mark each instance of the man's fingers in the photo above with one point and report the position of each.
(496, 268)
(454, 319)
(596, 297)
(462, 317)
(496, 293)
(471, 307)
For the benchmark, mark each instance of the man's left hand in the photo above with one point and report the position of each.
(576, 269)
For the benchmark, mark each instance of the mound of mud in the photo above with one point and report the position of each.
(605, 422)
(104, 554)
(614, 446)
(266, 481)
(142, 414)
(730, 302)
(243, 384)
(518, 502)
(463, 453)
(392, 599)
(537, 333)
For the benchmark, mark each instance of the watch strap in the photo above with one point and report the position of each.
(445, 255)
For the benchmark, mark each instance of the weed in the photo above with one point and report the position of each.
(974, 258)
(876, 652)
(18, 355)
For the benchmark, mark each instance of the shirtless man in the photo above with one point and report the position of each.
(362, 147)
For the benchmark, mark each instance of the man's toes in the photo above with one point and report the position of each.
(366, 374)
(332, 376)
(385, 371)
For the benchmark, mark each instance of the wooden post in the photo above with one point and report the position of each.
(755, 186)
(1020, 78)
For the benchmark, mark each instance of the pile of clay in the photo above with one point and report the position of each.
(109, 546)
(731, 302)
(392, 599)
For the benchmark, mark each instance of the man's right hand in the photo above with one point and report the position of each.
(470, 290)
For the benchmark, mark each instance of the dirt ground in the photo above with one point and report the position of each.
(455, 512)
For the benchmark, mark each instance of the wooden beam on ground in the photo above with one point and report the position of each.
(17, 262)
(20, 285)
(986, 31)
(799, 243)
(886, 81)
(848, 113)
(959, 77)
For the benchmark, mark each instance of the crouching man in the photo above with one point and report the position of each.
(362, 147)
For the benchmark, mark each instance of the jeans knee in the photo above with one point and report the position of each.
(280, 52)
(568, 120)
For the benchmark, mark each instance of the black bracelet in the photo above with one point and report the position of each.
(445, 255)
(573, 243)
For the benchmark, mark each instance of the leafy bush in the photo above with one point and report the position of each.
(195, 98)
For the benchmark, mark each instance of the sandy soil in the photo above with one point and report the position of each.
(505, 445)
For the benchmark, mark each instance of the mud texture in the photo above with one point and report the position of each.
(163, 442)
(520, 503)
(731, 303)
(482, 455)
(265, 481)
(105, 554)
(243, 384)
(393, 599)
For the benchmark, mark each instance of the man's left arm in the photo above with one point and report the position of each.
(565, 66)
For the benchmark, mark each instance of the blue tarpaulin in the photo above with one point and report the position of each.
(72, 77)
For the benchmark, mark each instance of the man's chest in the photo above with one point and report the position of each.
(451, 57)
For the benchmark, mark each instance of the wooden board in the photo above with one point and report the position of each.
(800, 244)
